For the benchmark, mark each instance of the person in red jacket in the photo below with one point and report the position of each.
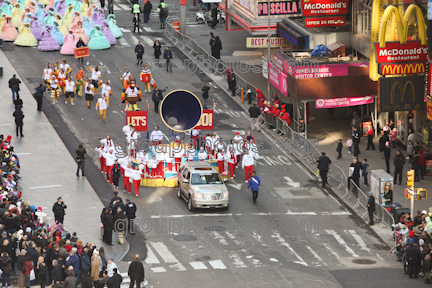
(276, 112)
(276, 100)
(422, 164)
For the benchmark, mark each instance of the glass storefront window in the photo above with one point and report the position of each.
(362, 18)
(400, 125)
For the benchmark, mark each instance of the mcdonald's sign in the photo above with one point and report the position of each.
(402, 93)
(402, 68)
(403, 51)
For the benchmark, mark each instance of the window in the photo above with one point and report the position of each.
(184, 173)
(362, 17)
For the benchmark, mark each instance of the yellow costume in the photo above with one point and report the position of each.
(62, 27)
(79, 84)
(84, 7)
(44, 2)
(16, 15)
(26, 38)
(68, 17)
(1, 21)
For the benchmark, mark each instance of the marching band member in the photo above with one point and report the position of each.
(54, 86)
(190, 152)
(202, 155)
(66, 68)
(62, 79)
(160, 157)
(238, 137)
(153, 165)
(89, 91)
(124, 164)
(102, 105)
(69, 90)
(107, 88)
(107, 141)
(127, 174)
(237, 152)
(195, 137)
(156, 136)
(208, 145)
(109, 162)
(221, 161)
(146, 77)
(102, 150)
(96, 75)
(232, 161)
(132, 139)
(247, 164)
(178, 154)
(136, 176)
(47, 74)
(125, 77)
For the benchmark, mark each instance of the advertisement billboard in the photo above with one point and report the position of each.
(343, 102)
(402, 93)
(262, 42)
(277, 8)
(324, 7)
(401, 68)
(294, 39)
(395, 52)
(248, 5)
(333, 21)
(278, 79)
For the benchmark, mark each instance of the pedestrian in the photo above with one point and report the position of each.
(370, 143)
(339, 149)
(80, 158)
(216, 47)
(427, 265)
(349, 144)
(14, 83)
(356, 141)
(355, 176)
(371, 207)
(205, 95)
(136, 8)
(162, 14)
(399, 162)
(254, 183)
(115, 173)
(232, 84)
(120, 229)
(102, 106)
(415, 166)
(411, 135)
(39, 96)
(410, 150)
(5, 266)
(247, 164)
(422, 164)
(168, 57)
(136, 272)
(71, 280)
(136, 20)
(387, 152)
(130, 209)
(19, 117)
(80, 44)
(214, 13)
(69, 90)
(365, 172)
(413, 257)
(115, 280)
(18, 102)
(157, 51)
(254, 113)
(95, 268)
(323, 167)
(157, 97)
(108, 225)
(383, 140)
(139, 52)
(28, 267)
(110, 7)
(147, 10)
(58, 209)
(132, 2)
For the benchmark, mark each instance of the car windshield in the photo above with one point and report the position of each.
(206, 178)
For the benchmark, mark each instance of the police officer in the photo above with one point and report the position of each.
(323, 167)
(413, 256)
(130, 214)
(116, 197)
(59, 210)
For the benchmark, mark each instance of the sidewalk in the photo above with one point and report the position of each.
(48, 169)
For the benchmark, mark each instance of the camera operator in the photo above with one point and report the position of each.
(59, 210)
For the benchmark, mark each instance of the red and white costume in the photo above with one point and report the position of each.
(232, 162)
(213, 142)
(178, 154)
(190, 153)
(221, 157)
(208, 141)
(247, 164)
(131, 139)
(195, 137)
(238, 137)
(156, 137)
(109, 162)
(102, 150)
(153, 164)
(136, 177)
(237, 152)
(143, 158)
(127, 174)
(160, 157)
(202, 155)
(108, 143)
(124, 164)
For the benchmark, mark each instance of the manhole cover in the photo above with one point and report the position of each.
(300, 193)
(316, 282)
(203, 258)
(214, 228)
(185, 238)
(364, 261)
(300, 241)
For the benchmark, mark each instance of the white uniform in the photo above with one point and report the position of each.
(107, 143)
(238, 137)
(253, 149)
(190, 154)
(248, 160)
(230, 158)
(102, 104)
(156, 135)
(136, 174)
(47, 74)
(65, 67)
(195, 132)
(128, 172)
(125, 163)
(221, 157)
(126, 75)
(152, 163)
(96, 75)
(101, 151)
(202, 155)
(106, 88)
(109, 158)
(69, 86)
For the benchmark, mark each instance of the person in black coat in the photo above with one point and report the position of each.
(108, 223)
(39, 96)
(136, 272)
(18, 102)
(130, 210)
(147, 10)
(371, 208)
(323, 166)
(14, 86)
(168, 56)
(157, 97)
(157, 51)
(356, 141)
(355, 176)
(110, 6)
(139, 52)
(413, 257)
(86, 281)
(214, 13)
(58, 209)
(79, 44)
(115, 281)
(57, 272)
(205, 95)
(399, 162)
(232, 84)
(19, 117)
(339, 149)
(216, 47)
(136, 20)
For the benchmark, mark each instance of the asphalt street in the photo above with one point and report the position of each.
(296, 236)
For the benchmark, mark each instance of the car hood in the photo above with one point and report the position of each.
(209, 189)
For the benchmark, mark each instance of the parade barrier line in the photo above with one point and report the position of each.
(303, 149)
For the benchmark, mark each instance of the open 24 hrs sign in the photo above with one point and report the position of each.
(138, 119)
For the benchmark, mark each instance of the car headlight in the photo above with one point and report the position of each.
(197, 195)
(225, 194)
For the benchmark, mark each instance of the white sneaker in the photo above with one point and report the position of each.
(53, 103)
(72, 104)
(65, 102)
(136, 195)
(246, 181)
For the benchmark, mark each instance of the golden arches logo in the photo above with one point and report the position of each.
(402, 24)
(397, 84)
(395, 69)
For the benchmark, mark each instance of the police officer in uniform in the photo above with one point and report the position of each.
(130, 214)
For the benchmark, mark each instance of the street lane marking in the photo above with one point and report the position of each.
(217, 264)
(5, 124)
(342, 242)
(316, 255)
(237, 260)
(151, 257)
(148, 29)
(284, 243)
(158, 269)
(217, 236)
(360, 241)
(134, 39)
(123, 6)
(331, 251)
(147, 40)
(19, 154)
(163, 251)
(178, 267)
(42, 187)
(123, 42)
(198, 265)
(289, 213)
